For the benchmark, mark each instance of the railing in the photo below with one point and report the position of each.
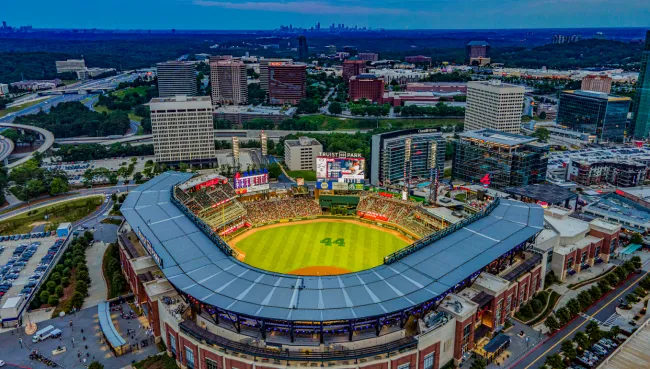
(221, 244)
(417, 245)
(194, 330)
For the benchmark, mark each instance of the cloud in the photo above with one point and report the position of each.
(302, 7)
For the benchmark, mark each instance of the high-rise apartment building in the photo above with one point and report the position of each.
(368, 56)
(366, 86)
(303, 48)
(495, 105)
(353, 67)
(597, 83)
(229, 82)
(70, 65)
(182, 129)
(176, 78)
(287, 83)
(409, 153)
(264, 71)
(640, 127)
(597, 113)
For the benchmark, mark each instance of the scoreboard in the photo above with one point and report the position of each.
(251, 182)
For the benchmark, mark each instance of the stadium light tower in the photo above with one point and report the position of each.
(264, 143)
(235, 153)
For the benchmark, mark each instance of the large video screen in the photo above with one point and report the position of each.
(341, 169)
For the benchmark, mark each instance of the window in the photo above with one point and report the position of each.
(210, 364)
(172, 344)
(189, 357)
(404, 366)
(428, 361)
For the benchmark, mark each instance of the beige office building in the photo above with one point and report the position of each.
(264, 71)
(301, 154)
(229, 86)
(495, 105)
(182, 129)
(70, 65)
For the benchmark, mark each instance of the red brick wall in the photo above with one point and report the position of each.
(154, 317)
(435, 348)
(206, 354)
(410, 359)
(458, 338)
(375, 366)
(184, 342)
(607, 239)
(232, 363)
(170, 332)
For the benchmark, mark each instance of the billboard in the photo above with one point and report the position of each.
(251, 181)
(340, 167)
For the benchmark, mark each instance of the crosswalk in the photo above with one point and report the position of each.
(611, 319)
(607, 323)
(589, 317)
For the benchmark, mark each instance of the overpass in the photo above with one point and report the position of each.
(47, 135)
(6, 148)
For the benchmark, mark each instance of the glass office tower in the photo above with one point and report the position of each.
(641, 121)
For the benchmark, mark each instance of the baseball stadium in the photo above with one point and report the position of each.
(300, 276)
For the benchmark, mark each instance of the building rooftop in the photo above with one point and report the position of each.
(548, 193)
(195, 265)
(642, 192)
(302, 141)
(567, 226)
(250, 109)
(478, 43)
(180, 98)
(458, 306)
(562, 158)
(491, 283)
(617, 207)
(497, 137)
(597, 95)
(364, 76)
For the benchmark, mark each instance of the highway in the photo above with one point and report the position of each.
(44, 105)
(49, 141)
(600, 311)
(6, 147)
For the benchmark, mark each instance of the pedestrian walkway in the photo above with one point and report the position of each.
(97, 291)
(609, 321)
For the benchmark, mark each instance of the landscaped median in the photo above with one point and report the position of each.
(51, 215)
(537, 309)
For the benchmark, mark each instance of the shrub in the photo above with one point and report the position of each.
(53, 301)
(537, 306)
(59, 291)
(44, 296)
(65, 281)
(51, 287)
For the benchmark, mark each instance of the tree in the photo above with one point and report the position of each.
(636, 262)
(53, 301)
(335, 108)
(582, 340)
(636, 238)
(274, 170)
(584, 298)
(542, 134)
(308, 106)
(555, 362)
(632, 298)
(604, 286)
(551, 323)
(77, 299)
(593, 331)
(65, 281)
(574, 307)
(44, 296)
(59, 291)
(542, 115)
(564, 315)
(569, 350)
(51, 287)
(526, 311)
(95, 365)
(478, 363)
(58, 186)
(137, 177)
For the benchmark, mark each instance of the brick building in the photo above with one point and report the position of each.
(286, 83)
(366, 86)
(353, 67)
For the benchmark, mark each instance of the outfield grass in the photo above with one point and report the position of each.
(330, 244)
(67, 211)
(308, 175)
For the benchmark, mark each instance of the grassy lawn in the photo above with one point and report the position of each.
(16, 108)
(69, 81)
(308, 175)
(68, 211)
(461, 197)
(328, 246)
(141, 90)
(335, 123)
(553, 297)
(103, 109)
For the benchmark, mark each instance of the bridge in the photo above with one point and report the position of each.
(6, 148)
(43, 135)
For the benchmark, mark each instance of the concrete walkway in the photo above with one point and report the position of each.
(97, 289)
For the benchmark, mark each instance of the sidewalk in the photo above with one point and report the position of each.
(97, 291)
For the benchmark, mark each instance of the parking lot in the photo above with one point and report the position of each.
(19, 264)
(75, 170)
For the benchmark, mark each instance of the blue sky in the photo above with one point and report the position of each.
(267, 14)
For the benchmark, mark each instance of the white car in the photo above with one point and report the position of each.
(2, 363)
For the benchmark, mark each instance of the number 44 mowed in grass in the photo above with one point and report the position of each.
(340, 242)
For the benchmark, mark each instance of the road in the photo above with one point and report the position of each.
(43, 105)
(6, 147)
(600, 311)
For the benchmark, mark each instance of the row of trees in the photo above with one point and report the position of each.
(73, 119)
(373, 110)
(587, 297)
(571, 349)
(439, 110)
(113, 271)
(71, 269)
(85, 152)
(31, 181)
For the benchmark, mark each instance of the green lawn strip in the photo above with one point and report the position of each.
(160, 361)
(308, 175)
(103, 109)
(141, 90)
(67, 211)
(575, 286)
(16, 108)
(552, 300)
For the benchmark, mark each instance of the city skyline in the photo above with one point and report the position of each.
(265, 15)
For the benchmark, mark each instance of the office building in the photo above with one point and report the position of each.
(264, 71)
(353, 67)
(410, 155)
(35, 85)
(330, 49)
(4, 89)
(287, 83)
(373, 57)
(366, 86)
(597, 113)
(597, 83)
(182, 129)
(89, 73)
(478, 53)
(418, 59)
(176, 78)
(507, 159)
(303, 48)
(70, 65)
(229, 82)
(301, 154)
(640, 127)
(494, 105)
(562, 39)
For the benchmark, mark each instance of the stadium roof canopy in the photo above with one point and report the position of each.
(196, 266)
(546, 192)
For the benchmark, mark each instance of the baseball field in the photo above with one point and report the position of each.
(318, 247)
